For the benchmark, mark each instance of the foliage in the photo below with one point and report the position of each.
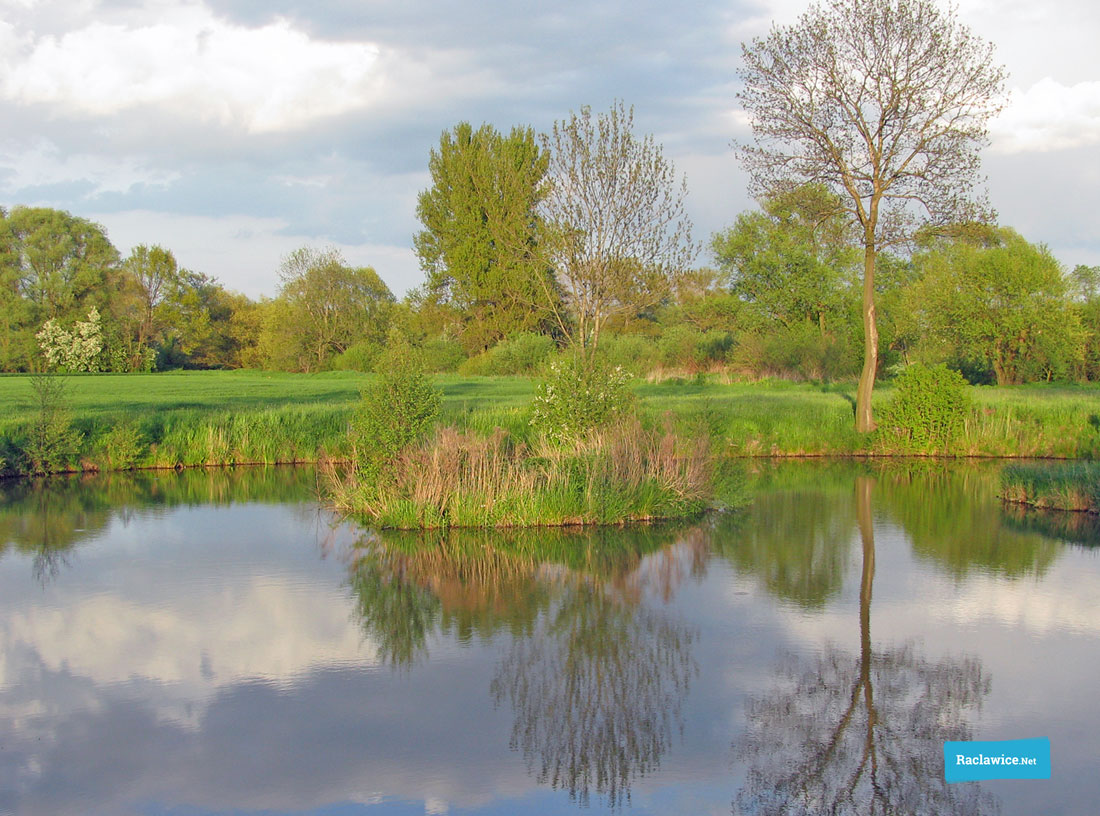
(927, 412)
(76, 350)
(324, 307)
(481, 239)
(885, 104)
(793, 260)
(616, 216)
(453, 479)
(999, 300)
(52, 442)
(397, 409)
(522, 353)
(579, 395)
(634, 353)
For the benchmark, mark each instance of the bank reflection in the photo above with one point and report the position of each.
(595, 676)
(862, 734)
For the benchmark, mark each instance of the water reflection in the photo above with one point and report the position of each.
(862, 734)
(954, 520)
(594, 677)
(795, 534)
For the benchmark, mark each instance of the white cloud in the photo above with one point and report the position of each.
(1049, 116)
(197, 65)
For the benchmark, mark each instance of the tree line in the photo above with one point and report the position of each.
(868, 249)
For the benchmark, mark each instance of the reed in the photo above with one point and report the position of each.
(1069, 486)
(458, 479)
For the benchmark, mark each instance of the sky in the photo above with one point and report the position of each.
(235, 131)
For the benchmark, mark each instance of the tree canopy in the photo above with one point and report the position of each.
(480, 245)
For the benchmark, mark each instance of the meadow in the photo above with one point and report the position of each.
(196, 418)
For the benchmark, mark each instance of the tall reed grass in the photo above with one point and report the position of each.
(458, 479)
(1071, 486)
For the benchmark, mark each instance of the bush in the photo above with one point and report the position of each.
(442, 355)
(927, 412)
(520, 354)
(634, 353)
(360, 356)
(579, 395)
(52, 442)
(396, 410)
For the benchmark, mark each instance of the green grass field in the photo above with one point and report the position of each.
(226, 417)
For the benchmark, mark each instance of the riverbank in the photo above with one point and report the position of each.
(191, 419)
(1067, 486)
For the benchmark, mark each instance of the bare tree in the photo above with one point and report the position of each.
(615, 210)
(885, 102)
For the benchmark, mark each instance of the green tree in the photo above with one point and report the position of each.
(792, 259)
(153, 277)
(53, 265)
(324, 306)
(885, 103)
(615, 210)
(995, 299)
(480, 244)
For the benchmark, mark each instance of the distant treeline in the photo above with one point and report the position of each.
(782, 298)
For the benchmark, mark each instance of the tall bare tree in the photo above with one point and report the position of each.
(885, 102)
(616, 212)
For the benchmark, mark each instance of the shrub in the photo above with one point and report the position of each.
(52, 442)
(519, 354)
(579, 395)
(395, 410)
(634, 353)
(442, 355)
(927, 412)
(359, 356)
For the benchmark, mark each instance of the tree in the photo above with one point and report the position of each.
(994, 299)
(324, 307)
(154, 276)
(53, 265)
(480, 242)
(615, 211)
(885, 103)
(790, 258)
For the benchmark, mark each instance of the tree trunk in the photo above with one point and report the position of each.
(865, 421)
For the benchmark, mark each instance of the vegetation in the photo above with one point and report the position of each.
(1065, 487)
(615, 215)
(624, 474)
(885, 102)
(928, 411)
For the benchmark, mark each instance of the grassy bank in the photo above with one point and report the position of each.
(215, 417)
(1070, 486)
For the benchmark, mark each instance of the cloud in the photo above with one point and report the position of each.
(1049, 116)
(196, 65)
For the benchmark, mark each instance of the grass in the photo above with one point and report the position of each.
(224, 417)
(624, 474)
(1069, 486)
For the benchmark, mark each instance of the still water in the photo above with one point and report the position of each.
(216, 642)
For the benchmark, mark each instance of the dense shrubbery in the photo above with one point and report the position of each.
(927, 412)
(522, 353)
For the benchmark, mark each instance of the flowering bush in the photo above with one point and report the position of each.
(76, 350)
(579, 395)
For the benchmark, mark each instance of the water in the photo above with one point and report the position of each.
(217, 643)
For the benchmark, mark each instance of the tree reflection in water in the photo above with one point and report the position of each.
(862, 734)
(594, 676)
(596, 692)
